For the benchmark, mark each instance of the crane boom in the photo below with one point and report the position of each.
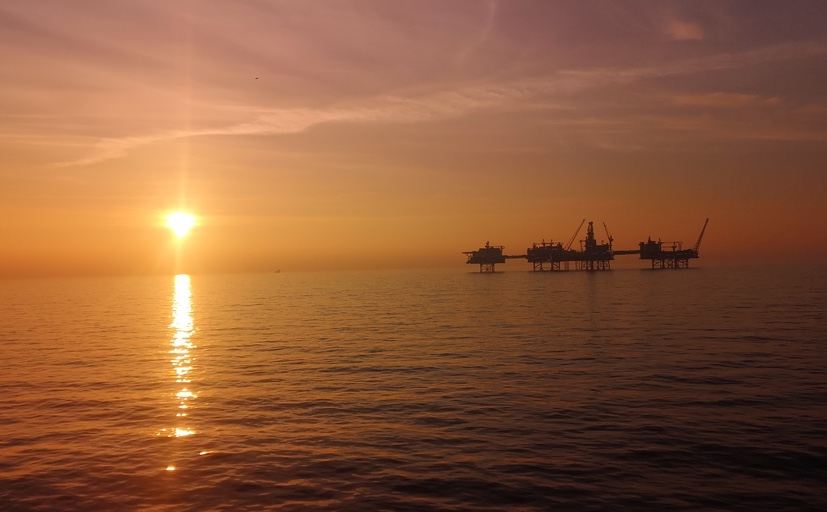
(700, 237)
(607, 233)
(571, 241)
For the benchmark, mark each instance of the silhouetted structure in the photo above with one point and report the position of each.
(595, 256)
(671, 256)
(555, 257)
(487, 257)
(591, 256)
(550, 256)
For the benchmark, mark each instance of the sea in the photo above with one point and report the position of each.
(629, 389)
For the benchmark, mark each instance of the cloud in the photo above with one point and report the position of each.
(726, 100)
(484, 31)
(684, 31)
(462, 101)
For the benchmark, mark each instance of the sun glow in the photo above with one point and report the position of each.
(181, 223)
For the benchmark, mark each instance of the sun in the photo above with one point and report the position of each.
(180, 223)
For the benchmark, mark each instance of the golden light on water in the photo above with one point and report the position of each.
(181, 350)
(181, 223)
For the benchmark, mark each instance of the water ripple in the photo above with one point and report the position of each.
(416, 391)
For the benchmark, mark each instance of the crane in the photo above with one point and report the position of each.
(571, 241)
(700, 237)
(607, 234)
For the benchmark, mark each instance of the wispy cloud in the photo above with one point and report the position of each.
(726, 100)
(484, 32)
(463, 101)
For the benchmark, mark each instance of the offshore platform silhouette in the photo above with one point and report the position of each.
(591, 255)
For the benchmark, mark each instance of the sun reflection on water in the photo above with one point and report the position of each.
(182, 348)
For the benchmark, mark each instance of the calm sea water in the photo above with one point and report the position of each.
(700, 389)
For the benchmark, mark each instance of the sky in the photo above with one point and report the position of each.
(373, 134)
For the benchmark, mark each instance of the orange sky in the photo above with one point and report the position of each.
(374, 134)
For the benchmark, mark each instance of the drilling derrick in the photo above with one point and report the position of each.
(591, 256)
(594, 256)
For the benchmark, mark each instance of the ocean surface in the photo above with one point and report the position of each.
(700, 389)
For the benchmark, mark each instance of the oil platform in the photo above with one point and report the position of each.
(673, 255)
(488, 256)
(592, 256)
